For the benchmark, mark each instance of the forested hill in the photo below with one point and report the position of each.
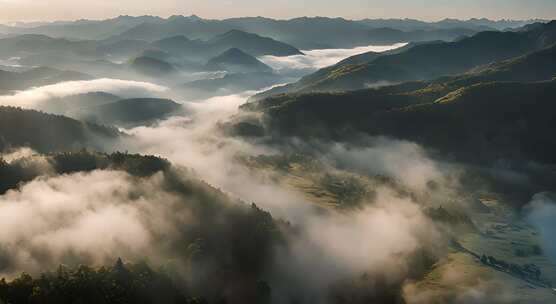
(423, 61)
(46, 133)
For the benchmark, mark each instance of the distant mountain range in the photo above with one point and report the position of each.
(303, 33)
(104, 57)
(255, 45)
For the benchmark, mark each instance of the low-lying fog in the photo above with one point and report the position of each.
(329, 247)
(313, 60)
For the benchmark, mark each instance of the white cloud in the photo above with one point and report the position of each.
(316, 59)
(34, 97)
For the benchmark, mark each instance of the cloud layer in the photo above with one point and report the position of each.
(35, 97)
(317, 59)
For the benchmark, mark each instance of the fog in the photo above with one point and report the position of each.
(313, 60)
(83, 217)
(35, 97)
(93, 217)
(541, 212)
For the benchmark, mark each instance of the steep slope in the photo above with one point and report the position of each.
(236, 61)
(535, 66)
(485, 121)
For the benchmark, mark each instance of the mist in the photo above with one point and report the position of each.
(371, 220)
(36, 97)
(313, 60)
(540, 213)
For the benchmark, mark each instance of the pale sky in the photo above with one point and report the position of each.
(34, 10)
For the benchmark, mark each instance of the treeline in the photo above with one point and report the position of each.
(28, 168)
(209, 258)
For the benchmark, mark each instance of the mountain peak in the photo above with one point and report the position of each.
(236, 60)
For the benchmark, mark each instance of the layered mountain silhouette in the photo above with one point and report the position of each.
(151, 25)
(425, 61)
(252, 44)
(236, 61)
(317, 32)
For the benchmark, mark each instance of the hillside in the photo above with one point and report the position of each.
(236, 61)
(152, 67)
(128, 112)
(315, 32)
(535, 66)
(425, 61)
(178, 240)
(478, 121)
(46, 133)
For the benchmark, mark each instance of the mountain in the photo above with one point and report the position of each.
(152, 67)
(179, 46)
(305, 32)
(178, 239)
(482, 24)
(480, 122)
(317, 32)
(72, 105)
(236, 61)
(48, 133)
(129, 112)
(37, 77)
(425, 61)
(500, 110)
(84, 29)
(252, 43)
(24, 45)
(535, 66)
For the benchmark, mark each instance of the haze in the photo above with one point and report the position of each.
(28, 10)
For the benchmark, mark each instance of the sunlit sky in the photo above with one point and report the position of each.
(34, 10)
